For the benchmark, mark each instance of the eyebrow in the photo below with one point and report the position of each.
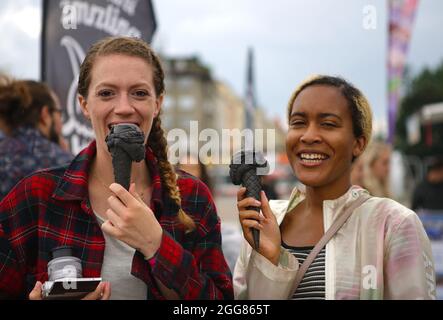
(327, 115)
(106, 84)
(300, 114)
(321, 115)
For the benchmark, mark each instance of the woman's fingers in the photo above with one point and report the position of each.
(251, 214)
(107, 291)
(265, 208)
(241, 193)
(116, 205)
(133, 191)
(114, 218)
(99, 292)
(250, 219)
(248, 202)
(125, 197)
(248, 223)
(36, 293)
(108, 228)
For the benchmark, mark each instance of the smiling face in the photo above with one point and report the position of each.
(320, 142)
(121, 91)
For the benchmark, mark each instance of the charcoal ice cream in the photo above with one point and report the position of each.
(126, 144)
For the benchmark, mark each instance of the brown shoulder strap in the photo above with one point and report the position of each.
(324, 240)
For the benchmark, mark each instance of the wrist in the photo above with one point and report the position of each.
(149, 253)
(152, 260)
(274, 261)
(275, 258)
(150, 250)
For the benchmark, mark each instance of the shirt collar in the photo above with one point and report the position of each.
(74, 184)
(353, 193)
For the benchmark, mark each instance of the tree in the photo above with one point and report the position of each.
(423, 89)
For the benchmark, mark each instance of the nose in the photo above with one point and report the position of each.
(311, 135)
(123, 106)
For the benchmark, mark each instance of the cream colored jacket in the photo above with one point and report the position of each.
(381, 252)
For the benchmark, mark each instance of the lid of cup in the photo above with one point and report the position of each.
(62, 251)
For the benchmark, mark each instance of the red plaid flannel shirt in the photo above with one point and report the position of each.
(51, 208)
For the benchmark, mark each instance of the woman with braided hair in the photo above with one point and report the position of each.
(159, 240)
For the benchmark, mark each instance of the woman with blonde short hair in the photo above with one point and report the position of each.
(355, 246)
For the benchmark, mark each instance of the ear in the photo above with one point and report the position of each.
(158, 105)
(45, 116)
(359, 146)
(84, 106)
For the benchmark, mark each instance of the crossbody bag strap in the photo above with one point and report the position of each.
(324, 240)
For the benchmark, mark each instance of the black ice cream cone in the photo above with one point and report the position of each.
(122, 164)
(126, 144)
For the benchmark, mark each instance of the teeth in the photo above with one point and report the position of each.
(312, 161)
(312, 156)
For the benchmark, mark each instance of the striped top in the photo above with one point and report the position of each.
(312, 286)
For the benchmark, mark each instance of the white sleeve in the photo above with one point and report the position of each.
(256, 278)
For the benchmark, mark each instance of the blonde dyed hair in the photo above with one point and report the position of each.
(135, 47)
(359, 107)
(376, 186)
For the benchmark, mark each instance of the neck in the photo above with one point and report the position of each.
(102, 170)
(316, 195)
(4, 127)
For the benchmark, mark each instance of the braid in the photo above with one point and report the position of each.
(159, 145)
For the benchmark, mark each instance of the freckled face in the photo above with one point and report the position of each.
(320, 142)
(121, 91)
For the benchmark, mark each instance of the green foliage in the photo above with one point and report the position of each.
(423, 89)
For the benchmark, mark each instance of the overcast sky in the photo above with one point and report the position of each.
(291, 40)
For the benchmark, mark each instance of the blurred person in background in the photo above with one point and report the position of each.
(4, 128)
(357, 173)
(376, 169)
(428, 194)
(32, 123)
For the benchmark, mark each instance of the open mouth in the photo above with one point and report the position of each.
(311, 158)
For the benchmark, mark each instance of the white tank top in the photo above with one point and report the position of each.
(116, 269)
